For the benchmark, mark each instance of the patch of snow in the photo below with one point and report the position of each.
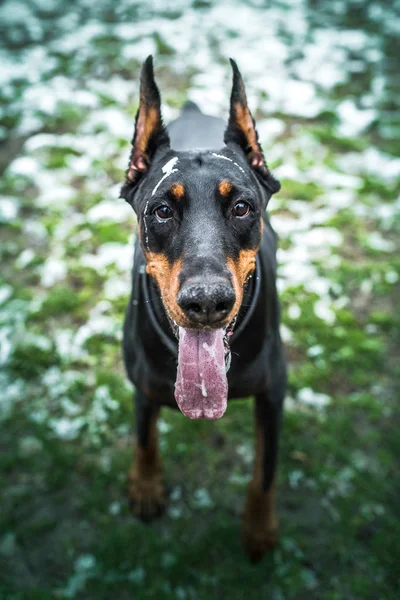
(112, 119)
(9, 208)
(246, 452)
(311, 398)
(45, 97)
(353, 120)
(391, 277)
(163, 426)
(121, 90)
(68, 345)
(289, 171)
(5, 293)
(286, 334)
(12, 391)
(110, 253)
(376, 241)
(96, 325)
(139, 50)
(202, 499)
(323, 310)
(66, 429)
(85, 562)
(80, 38)
(316, 350)
(115, 287)
(322, 61)
(53, 271)
(24, 165)
(35, 229)
(110, 210)
(373, 161)
(114, 508)
(25, 258)
(294, 311)
(269, 129)
(6, 345)
(318, 241)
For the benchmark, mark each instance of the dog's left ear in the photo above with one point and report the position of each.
(242, 131)
(150, 133)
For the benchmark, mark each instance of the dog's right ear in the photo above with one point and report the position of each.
(150, 133)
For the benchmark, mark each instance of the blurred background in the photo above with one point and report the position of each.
(321, 82)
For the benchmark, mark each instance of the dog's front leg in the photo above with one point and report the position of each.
(260, 521)
(146, 489)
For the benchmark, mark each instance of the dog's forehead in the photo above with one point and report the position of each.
(200, 167)
(213, 163)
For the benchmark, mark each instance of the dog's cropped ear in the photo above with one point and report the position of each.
(242, 131)
(150, 133)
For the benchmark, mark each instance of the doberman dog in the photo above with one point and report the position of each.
(202, 323)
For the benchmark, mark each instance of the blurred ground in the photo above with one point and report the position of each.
(321, 81)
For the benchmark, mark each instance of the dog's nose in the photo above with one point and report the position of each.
(206, 303)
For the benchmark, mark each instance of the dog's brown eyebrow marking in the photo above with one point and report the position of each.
(177, 190)
(225, 188)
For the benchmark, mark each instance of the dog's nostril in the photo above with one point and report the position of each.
(194, 307)
(221, 307)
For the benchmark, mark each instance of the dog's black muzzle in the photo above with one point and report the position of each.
(206, 303)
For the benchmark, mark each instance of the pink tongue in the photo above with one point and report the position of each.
(201, 387)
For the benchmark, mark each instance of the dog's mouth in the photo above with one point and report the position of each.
(201, 388)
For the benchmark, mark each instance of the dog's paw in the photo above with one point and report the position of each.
(259, 541)
(147, 496)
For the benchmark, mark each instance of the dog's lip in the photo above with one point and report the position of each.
(228, 329)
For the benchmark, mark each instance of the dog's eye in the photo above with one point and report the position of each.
(241, 209)
(163, 212)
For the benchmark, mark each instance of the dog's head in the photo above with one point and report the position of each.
(200, 219)
(200, 213)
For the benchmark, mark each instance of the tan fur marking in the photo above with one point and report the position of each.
(148, 121)
(145, 482)
(178, 191)
(245, 122)
(148, 461)
(240, 270)
(260, 523)
(167, 278)
(225, 188)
